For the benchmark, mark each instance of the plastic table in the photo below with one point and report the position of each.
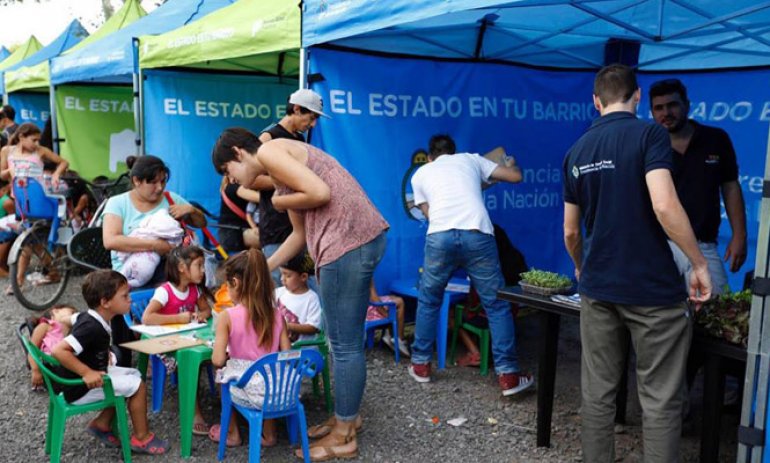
(409, 288)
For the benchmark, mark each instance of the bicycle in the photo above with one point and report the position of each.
(43, 253)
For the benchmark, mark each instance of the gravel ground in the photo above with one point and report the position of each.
(398, 413)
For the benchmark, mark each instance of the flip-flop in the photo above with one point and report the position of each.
(329, 453)
(9, 290)
(153, 445)
(107, 437)
(214, 436)
(200, 429)
(46, 281)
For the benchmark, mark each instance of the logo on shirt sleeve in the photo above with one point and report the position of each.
(712, 159)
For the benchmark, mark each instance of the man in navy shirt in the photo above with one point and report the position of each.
(617, 181)
(704, 166)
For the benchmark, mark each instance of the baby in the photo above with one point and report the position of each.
(138, 267)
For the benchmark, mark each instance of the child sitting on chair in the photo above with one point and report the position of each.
(246, 332)
(375, 312)
(51, 328)
(299, 305)
(181, 300)
(85, 354)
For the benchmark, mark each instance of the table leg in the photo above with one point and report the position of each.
(547, 349)
(443, 323)
(713, 397)
(188, 363)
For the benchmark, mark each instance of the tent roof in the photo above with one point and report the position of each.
(250, 35)
(673, 34)
(111, 59)
(28, 48)
(4, 53)
(15, 74)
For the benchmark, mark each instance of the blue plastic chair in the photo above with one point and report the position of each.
(390, 320)
(32, 202)
(283, 373)
(140, 299)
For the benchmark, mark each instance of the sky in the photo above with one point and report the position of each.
(46, 19)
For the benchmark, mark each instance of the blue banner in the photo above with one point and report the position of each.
(31, 107)
(184, 114)
(384, 111)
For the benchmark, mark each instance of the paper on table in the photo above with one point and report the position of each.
(574, 299)
(162, 345)
(161, 330)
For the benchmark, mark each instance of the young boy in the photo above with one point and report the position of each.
(85, 353)
(299, 304)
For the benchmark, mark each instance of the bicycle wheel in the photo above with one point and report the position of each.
(43, 274)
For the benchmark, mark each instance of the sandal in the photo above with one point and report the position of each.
(321, 430)
(153, 445)
(107, 437)
(332, 452)
(214, 431)
(200, 429)
(9, 290)
(470, 359)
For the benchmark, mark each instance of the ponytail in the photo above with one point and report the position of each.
(256, 291)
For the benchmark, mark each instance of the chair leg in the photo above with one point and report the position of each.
(291, 428)
(255, 439)
(212, 382)
(224, 421)
(395, 340)
(303, 434)
(327, 383)
(455, 333)
(121, 417)
(141, 365)
(49, 427)
(484, 340)
(158, 382)
(57, 435)
(369, 339)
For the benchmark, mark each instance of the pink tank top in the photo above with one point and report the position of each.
(29, 165)
(52, 336)
(348, 221)
(176, 305)
(244, 343)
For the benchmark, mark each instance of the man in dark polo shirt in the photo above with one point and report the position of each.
(303, 109)
(704, 166)
(617, 182)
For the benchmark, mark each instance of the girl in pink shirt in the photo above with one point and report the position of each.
(180, 300)
(246, 332)
(51, 328)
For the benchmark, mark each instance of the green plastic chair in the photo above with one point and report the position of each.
(323, 349)
(482, 333)
(59, 409)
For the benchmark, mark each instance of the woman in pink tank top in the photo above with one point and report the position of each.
(245, 333)
(345, 234)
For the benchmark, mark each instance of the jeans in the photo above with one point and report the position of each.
(476, 253)
(716, 268)
(345, 297)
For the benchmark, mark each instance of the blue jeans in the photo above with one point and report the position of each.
(476, 253)
(344, 286)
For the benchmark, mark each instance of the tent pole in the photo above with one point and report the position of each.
(303, 56)
(138, 116)
(52, 116)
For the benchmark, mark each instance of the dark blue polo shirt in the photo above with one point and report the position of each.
(626, 257)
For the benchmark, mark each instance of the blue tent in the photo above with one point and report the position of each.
(4, 53)
(111, 59)
(673, 34)
(71, 36)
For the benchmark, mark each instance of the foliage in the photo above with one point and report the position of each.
(545, 279)
(727, 316)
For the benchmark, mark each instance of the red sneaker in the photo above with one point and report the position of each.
(420, 372)
(513, 383)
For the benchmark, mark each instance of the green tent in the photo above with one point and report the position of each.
(39, 76)
(249, 35)
(28, 48)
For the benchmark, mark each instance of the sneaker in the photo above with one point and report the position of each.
(387, 339)
(420, 372)
(513, 383)
(403, 346)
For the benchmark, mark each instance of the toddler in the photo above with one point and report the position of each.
(51, 328)
(246, 332)
(299, 305)
(84, 353)
(138, 267)
(374, 312)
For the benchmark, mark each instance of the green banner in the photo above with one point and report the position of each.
(97, 128)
